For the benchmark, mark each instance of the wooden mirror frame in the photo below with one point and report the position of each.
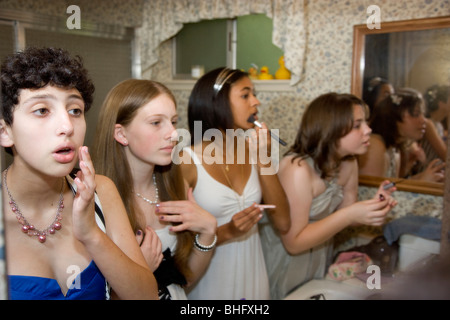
(358, 60)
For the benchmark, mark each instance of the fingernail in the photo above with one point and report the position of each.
(139, 232)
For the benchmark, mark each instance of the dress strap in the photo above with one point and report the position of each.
(99, 218)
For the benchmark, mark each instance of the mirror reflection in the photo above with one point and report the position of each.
(404, 67)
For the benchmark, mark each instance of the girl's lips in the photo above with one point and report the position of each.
(167, 149)
(64, 154)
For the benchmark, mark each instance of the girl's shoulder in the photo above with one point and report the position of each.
(294, 165)
(105, 187)
(348, 169)
(295, 160)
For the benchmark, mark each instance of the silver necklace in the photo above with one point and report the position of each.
(29, 228)
(156, 193)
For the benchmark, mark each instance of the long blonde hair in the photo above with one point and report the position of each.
(120, 107)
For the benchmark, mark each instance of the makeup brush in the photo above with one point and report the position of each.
(251, 119)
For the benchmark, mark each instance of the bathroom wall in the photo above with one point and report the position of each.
(328, 60)
(328, 56)
(125, 13)
(327, 68)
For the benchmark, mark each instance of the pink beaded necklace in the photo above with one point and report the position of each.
(29, 228)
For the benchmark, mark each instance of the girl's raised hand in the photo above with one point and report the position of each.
(83, 204)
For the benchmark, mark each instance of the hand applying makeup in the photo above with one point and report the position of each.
(385, 191)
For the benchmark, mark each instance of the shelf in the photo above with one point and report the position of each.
(260, 85)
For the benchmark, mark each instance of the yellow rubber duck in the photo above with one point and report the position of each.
(264, 74)
(282, 73)
(253, 73)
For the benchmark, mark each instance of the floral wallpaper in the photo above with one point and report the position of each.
(316, 36)
(327, 67)
(125, 13)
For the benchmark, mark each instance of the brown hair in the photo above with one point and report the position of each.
(325, 121)
(392, 110)
(120, 107)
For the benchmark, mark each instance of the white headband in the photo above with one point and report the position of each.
(223, 76)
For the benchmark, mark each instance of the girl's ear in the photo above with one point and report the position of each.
(119, 135)
(5, 135)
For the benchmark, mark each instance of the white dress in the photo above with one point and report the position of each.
(237, 269)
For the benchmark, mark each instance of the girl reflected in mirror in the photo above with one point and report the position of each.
(437, 102)
(397, 123)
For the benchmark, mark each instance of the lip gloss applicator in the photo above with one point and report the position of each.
(251, 119)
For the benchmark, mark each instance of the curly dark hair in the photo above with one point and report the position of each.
(35, 68)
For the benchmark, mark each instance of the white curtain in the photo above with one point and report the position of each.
(162, 19)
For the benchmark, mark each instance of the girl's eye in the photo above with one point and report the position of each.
(155, 123)
(41, 111)
(76, 112)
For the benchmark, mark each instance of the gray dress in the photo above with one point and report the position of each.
(287, 272)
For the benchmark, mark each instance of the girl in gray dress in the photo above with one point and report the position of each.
(320, 176)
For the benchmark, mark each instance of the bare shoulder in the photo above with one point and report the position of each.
(108, 194)
(104, 185)
(294, 169)
(347, 171)
(112, 205)
(348, 167)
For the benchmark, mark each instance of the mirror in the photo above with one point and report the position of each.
(410, 53)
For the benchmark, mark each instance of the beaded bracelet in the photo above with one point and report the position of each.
(202, 247)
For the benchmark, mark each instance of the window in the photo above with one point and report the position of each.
(236, 43)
